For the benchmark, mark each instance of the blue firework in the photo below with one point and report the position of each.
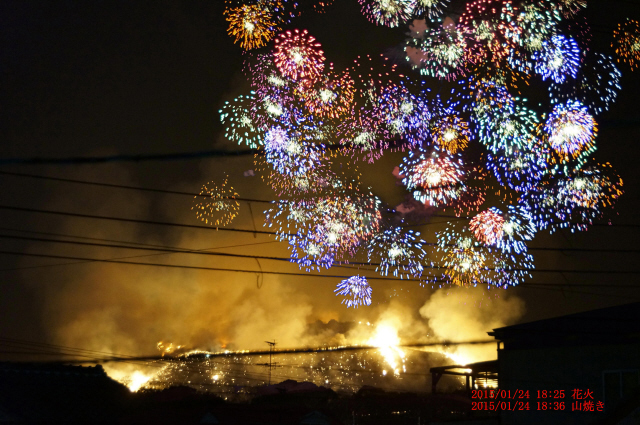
(558, 59)
(355, 290)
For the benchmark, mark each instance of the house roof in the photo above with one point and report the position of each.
(612, 325)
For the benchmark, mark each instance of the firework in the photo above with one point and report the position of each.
(363, 135)
(273, 93)
(571, 130)
(356, 291)
(290, 152)
(522, 166)
(596, 86)
(401, 113)
(216, 204)
(433, 178)
(507, 129)
(240, 126)
(331, 97)
(467, 262)
(569, 8)
(391, 13)
(575, 200)
(488, 100)
(489, 26)
(399, 251)
(536, 25)
(504, 231)
(431, 8)
(297, 56)
(558, 59)
(626, 41)
(487, 226)
(440, 53)
(450, 132)
(323, 229)
(251, 25)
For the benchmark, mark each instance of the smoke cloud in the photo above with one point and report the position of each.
(467, 314)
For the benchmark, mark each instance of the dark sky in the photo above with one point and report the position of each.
(148, 77)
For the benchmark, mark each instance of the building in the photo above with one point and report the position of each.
(581, 368)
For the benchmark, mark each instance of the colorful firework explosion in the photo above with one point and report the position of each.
(575, 200)
(504, 231)
(430, 8)
(571, 130)
(597, 85)
(450, 133)
(440, 53)
(467, 262)
(558, 59)
(331, 97)
(399, 251)
(522, 166)
(390, 13)
(297, 56)
(433, 178)
(356, 291)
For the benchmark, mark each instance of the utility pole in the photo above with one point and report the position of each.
(272, 345)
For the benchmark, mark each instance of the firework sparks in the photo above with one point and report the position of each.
(391, 13)
(558, 59)
(399, 251)
(571, 130)
(297, 56)
(434, 178)
(626, 41)
(356, 291)
(219, 206)
(251, 25)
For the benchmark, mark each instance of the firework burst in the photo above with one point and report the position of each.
(251, 25)
(331, 97)
(216, 204)
(433, 178)
(596, 86)
(558, 59)
(575, 200)
(450, 132)
(520, 167)
(297, 56)
(431, 8)
(507, 232)
(468, 262)
(398, 251)
(440, 53)
(390, 13)
(356, 291)
(626, 41)
(240, 125)
(571, 130)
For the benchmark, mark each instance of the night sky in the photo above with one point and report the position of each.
(108, 78)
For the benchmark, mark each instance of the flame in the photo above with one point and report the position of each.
(386, 338)
(137, 381)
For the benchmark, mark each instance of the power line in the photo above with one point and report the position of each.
(120, 186)
(249, 200)
(131, 220)
(128, 158)
(180, 266)
(262, 232)
(224, 254)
